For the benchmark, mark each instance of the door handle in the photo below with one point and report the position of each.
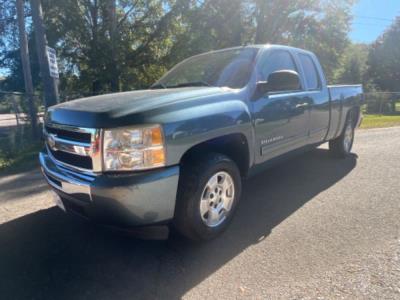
(302, 105)
(258, 121)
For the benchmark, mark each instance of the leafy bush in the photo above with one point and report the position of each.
(5, 108)
(381, 103)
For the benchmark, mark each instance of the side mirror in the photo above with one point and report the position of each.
(262, 88)
(285, 80)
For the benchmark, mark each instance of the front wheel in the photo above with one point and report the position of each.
(208, 194)
(341, 146)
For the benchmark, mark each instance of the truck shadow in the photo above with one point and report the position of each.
(48, 255)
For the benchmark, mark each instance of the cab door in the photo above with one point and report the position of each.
(318, 97)
(280, 119)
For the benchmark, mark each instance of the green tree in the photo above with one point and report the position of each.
(384, 59)
(109, 45)
(210, 25)
(353, 65)
(276, 20)
(105, 46)
(316, 25)
(321, 27)
(102, 45)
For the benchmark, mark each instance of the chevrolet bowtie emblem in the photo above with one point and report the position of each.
(51, 141)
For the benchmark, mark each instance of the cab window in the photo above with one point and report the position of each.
(310, 72)
(278, 60)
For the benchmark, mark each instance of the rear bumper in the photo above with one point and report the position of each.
(122, 200)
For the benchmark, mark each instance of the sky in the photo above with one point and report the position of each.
(371, 18)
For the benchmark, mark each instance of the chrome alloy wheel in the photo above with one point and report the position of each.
(217, 199)
(348, 138)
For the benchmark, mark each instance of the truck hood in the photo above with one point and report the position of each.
(116, 109)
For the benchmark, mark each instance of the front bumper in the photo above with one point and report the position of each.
(122, 200)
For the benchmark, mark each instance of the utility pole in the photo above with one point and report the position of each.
(26, 66)
(50, 84)
(113, 40)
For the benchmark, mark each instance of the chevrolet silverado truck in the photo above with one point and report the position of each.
(176, 153)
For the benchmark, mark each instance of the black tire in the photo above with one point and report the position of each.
(341, 146)
(193, 180)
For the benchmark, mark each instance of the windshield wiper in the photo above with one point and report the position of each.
(192, 83)
(158, 85)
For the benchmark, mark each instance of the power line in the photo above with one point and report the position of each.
(371, 25)
(374, 18)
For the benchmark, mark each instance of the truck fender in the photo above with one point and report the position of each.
(191, 126)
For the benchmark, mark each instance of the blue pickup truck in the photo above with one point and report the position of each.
(176, 153)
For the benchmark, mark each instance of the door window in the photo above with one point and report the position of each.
(276, 61)
(310, 72)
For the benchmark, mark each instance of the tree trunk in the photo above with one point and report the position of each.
(94, 46)
(49, 83)
(113, 39)
(26, 66)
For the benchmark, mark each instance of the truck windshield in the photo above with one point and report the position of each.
(229, 68)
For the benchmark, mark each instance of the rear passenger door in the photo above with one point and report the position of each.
(317, 97)
(281, 118)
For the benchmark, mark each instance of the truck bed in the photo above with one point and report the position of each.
(342, 99)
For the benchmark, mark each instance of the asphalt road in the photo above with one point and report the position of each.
(311, 228)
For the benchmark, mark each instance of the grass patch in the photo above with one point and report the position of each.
(379, 121)
(24, 160)
(18, 150)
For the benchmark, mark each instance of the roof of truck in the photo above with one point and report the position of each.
(262, 46)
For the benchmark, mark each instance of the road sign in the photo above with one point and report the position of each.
(52, 59)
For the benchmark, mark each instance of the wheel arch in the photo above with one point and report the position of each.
(234, 145)
(356, 111)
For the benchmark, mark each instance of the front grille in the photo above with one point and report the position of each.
(83, 162)
(73, 147)
(70, 135)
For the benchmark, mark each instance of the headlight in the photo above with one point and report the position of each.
(127, 149)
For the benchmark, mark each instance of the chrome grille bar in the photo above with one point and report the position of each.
(70, 128)
(97, 150)
(59, 144)
(92, 150)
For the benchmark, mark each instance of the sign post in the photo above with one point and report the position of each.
(52, 59)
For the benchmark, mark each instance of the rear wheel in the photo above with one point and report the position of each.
(341, 146)
(208, 194)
